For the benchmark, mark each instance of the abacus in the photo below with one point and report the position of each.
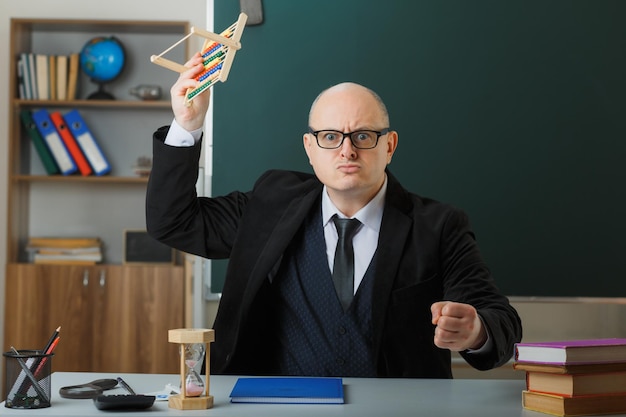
(218, 53)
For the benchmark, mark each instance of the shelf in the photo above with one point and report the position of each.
(114, 104)
(98, 264)
(91, 25)
(105, 179)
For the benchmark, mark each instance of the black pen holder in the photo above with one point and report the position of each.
(28, 379)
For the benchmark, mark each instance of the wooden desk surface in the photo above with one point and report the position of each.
(364, 397)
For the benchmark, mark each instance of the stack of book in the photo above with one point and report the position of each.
(65, 250)
(47, 77)
(574, 377)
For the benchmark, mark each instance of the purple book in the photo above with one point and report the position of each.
(585, 351)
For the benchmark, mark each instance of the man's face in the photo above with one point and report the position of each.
(349, 172)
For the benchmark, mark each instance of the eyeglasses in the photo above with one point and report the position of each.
(361, 139)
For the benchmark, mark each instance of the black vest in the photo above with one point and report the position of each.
(314, 336)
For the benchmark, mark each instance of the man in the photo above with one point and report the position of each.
(420, 287)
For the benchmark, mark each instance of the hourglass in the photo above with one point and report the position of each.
(194, 393)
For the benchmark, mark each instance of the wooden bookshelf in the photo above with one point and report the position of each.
(114, 317)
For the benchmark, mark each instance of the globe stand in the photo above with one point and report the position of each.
(100, 94)
(186, 338)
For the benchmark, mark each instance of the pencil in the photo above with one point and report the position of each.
(55, 334)
(43, 361)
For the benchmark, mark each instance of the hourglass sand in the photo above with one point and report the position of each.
(194, 393)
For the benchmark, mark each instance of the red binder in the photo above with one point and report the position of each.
(70, 143)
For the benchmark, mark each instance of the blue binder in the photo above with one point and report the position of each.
(87, 142)
(55, 143)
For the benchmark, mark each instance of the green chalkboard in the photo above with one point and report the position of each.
(512, 110)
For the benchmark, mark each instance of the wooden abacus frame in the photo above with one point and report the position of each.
(218, 53)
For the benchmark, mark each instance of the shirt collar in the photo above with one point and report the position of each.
(371, 215)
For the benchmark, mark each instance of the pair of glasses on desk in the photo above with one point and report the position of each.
(95, 389)
(89, 390)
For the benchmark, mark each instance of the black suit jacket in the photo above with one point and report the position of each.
(426, 253)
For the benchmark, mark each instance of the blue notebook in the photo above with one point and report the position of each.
(295, 390)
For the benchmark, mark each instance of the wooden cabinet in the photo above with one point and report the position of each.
(137, 305)
(114, 316)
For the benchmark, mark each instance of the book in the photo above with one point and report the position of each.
(583, 351)
(43, 89)
(67, 261)
(52, 138)
(64, 251)
(70, 143)
(20, 79)
(26, 76)
(570, 369)
(87, 142)
(294, 390)
(82, 258)
(63, 242)
(571, 385)
(573, 406)
(38, 142)
(52, 76)
(61, 77)
(32, 75)
(72, 77)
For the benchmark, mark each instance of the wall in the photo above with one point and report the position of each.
(198, 12)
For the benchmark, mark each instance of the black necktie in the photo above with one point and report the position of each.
(343, 267)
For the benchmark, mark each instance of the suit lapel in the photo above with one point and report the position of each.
(281, 235)
(394, 229)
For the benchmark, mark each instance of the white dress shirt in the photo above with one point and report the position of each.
(177, 136)
(365, 241)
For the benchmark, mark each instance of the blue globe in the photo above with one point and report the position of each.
(102, 59)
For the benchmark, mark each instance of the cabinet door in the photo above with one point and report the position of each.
(137, 305)
(40, 298)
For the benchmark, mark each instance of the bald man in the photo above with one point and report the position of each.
(418, 288)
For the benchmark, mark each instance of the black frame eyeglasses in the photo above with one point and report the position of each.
(361, 139)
